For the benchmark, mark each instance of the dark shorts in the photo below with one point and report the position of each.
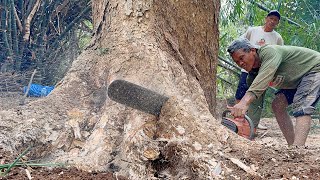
(303, 99)
(288, 93)
(243, 87)
(307, 95)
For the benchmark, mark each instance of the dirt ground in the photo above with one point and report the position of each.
(273, 161)
(277, 161)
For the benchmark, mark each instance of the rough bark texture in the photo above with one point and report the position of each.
(189, 33)
(167, 46)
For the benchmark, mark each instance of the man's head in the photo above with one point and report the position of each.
(272, 20)
(244, 54)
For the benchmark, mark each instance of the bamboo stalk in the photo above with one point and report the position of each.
(43, 25)
(14, 32)
(17, 19)
(5, 29)
(9, 26)
(21, 10)
(28, 21)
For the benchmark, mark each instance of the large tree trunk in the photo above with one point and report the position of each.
(167, 46)
(187, 31)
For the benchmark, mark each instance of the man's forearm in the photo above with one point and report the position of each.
(248, 98)
(240, 109)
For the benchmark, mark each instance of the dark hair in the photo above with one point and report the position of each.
(275, 13)
(241, 43)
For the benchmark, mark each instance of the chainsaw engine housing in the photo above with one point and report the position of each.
(242, 126)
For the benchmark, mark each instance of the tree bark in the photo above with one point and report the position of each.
(167, 46)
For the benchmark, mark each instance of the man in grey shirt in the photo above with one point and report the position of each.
(260, 35)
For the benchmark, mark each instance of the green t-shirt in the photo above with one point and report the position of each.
(283, 67)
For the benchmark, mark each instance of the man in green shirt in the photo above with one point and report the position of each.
(283, 67)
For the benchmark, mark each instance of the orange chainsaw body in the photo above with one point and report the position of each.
(242, 126)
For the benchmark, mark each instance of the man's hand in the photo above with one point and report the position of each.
(240, 109)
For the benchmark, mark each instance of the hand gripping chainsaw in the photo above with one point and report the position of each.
(242, 126)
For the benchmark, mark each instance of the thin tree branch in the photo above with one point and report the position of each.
(224, 80)
(5, 29)
(226, 61)
(229, 69)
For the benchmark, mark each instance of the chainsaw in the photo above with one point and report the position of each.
(242, 126)
(151, 102)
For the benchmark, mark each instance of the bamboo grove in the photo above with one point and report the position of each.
(34, 33)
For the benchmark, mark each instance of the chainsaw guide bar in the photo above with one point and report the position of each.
(136, 97)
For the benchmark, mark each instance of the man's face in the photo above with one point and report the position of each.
(245, 60)
(271, 21)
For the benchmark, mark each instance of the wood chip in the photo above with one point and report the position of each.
(243, 166)
(28, 174)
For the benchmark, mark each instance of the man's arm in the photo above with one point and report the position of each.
(240, 109)
(247, 34)
(280, 41)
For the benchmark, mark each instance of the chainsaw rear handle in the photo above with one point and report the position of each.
(247, 118)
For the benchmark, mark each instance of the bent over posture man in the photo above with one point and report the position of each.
(283, 67)
(260, 35)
